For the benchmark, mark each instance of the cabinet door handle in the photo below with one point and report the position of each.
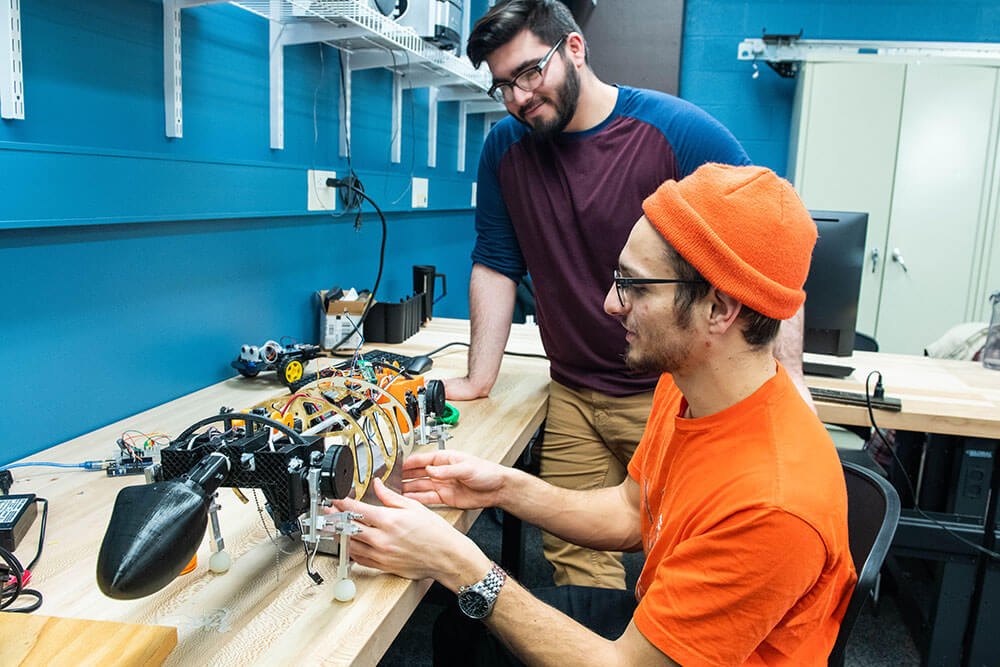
(897, 257)
(874, 259)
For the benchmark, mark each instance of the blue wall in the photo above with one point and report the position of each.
(758, 111)
(133, 266)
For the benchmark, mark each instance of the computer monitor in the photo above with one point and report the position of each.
(834, 282)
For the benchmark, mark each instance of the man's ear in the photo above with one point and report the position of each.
(724, 312)
(576, 49)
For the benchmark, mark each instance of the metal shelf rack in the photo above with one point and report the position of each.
(366, 40)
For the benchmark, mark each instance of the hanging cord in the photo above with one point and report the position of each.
(353, 184)
(909, 485)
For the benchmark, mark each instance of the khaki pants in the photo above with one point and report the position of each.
(589, 439)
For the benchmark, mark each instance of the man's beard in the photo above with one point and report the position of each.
(669, 358)
(565, 103)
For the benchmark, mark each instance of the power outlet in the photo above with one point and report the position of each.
(322, 197)
(420, 187)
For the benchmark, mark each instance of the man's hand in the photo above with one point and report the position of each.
(453, 478)
(412, 541)
(464, 389)
(491, 307)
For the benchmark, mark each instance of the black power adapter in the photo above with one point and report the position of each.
(17, 513)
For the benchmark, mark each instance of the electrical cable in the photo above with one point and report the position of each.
(871, 416)
(41, 533)
(506, 352)
(48, 464)
(352, 177)
(381, 255)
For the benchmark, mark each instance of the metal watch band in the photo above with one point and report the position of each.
(486, 590)
(491, 583)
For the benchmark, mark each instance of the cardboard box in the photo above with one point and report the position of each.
(339, 319)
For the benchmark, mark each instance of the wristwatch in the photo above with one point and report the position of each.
(476, 601)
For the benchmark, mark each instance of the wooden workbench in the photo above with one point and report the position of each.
(938, 395)
(265, 609)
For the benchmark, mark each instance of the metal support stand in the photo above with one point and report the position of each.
(219, 561)
(512, 543)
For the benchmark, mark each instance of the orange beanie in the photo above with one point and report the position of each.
(744, 229)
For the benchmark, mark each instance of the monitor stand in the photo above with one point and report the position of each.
(826, 370)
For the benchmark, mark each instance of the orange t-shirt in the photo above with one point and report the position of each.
(744, 525)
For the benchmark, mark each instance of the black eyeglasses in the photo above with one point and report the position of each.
(527, 79)
(623, 284)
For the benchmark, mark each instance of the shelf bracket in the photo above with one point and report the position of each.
(397, 118)
(11, 75)
(173, 98)
(463, 116)
(344, 105)
(172, 90)
(276, 81)
(432, 126)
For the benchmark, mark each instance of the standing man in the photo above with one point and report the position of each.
(561, 182)
(735, 494)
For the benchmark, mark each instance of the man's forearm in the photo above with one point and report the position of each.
(541, 635)
(491, 308)
(604, 519)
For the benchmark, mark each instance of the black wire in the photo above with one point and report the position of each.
(349, 204)
(381, 264)
(507, 352)
(41, 533)
(892, 450)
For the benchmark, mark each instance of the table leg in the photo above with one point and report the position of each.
(512, 544)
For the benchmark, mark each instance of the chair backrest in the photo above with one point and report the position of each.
(864, 342)
(872, 515)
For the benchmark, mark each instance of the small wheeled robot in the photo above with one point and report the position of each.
(289, 362)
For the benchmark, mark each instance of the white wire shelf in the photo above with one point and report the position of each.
(357, 28)
(366, 40)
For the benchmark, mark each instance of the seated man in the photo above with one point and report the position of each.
(735, 494)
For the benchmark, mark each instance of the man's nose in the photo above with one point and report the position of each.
(521, 97)
(612, 304)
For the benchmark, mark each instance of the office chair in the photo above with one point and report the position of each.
(864, 342)
(872, 515)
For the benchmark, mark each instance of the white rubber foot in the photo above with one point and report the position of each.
(219, 562)
(344, 590)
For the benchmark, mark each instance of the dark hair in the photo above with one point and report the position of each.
(549, 20)
(758, 330)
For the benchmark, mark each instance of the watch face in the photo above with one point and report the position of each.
(473, 604)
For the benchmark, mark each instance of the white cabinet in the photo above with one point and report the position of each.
(914, 145)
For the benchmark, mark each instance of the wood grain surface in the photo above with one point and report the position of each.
(938, 395)
(29, 640)
(265, 609)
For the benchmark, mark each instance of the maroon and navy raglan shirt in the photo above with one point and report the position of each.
(562, 209)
